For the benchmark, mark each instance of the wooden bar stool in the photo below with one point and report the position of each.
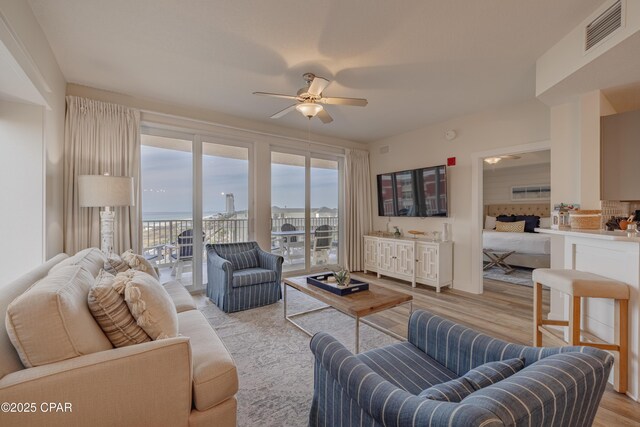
(580, 284)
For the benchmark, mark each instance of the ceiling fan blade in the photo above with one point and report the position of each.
(318, 85)
(276, 95)
(357, 102)
(324, 117)
(287, 110)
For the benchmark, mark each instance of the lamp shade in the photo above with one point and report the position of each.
(104, 190)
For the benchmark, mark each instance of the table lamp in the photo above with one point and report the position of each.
(108, 192)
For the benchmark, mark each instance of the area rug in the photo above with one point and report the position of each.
(274, 362)
(520, 276)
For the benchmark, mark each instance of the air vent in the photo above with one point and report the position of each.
(605, 24)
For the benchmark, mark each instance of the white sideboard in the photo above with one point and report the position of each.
(414, 260)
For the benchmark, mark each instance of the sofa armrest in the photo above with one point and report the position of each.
(364, 397)
(563, 389)
(143, 384)
(270, 261)
(460, 348)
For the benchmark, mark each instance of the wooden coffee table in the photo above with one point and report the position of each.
(357, 305)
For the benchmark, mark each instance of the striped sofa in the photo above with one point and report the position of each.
(557, 387)
(242, 276)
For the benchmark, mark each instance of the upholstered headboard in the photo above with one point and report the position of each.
(543, 210)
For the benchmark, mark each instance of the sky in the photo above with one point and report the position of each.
(167, 183)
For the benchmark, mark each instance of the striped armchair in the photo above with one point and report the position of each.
(557, 387)
(242, 276)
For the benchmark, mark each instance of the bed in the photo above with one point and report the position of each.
(532, 250)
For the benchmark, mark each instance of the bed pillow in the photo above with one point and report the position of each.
(530, 222)
(506, 218)
(510, 227)
(545, 222)
(490, 223)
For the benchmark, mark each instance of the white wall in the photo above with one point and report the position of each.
(26, 41)
(21, 189)
(498, 182)
(510, 126)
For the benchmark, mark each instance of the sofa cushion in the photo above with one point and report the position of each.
(149, 303)
(253, 276)
(112, 313)
(215, 377)
(245, 259)
(51, 321)
(115, 264)
(91, 259)
(181, 298)
(139, 263)
(477, 378)
(492, 372)
(406, 366)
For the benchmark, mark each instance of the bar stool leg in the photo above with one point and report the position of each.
(537, 314)
(620, 366)
(574, 320)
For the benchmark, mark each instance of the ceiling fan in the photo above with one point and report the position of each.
(494, 160)
(309, 99)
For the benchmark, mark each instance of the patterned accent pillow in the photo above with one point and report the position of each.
(482, 376)
(115, 264)
(139, 263)
(450, 391)
(492, 372)
(112, 314)
(242, 260)
(510, 227)
(149, 303)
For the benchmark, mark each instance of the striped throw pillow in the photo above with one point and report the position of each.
(492, 372)
(115, 264)
(242, 260)
(510, 227)
(112, 313)
(476, 379)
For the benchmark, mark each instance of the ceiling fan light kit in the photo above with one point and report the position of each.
(309, 109)
(309, 99)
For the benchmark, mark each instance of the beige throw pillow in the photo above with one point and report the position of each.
(149, 303)
(91, 259)
(51, 321)
(138, 262)
(112, 313)
(510, 227)
(115, 264)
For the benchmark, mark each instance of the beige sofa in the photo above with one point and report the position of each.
(190, 380)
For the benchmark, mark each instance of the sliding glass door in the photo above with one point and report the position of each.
(191, 187)
(306, 206)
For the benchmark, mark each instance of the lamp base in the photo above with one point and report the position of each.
(107, 218)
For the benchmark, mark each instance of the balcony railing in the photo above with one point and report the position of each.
(160, 233)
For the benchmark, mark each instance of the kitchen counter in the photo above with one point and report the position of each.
(617, 235)
(610, 254)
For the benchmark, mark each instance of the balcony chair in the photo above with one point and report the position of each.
(290, 243)
(441, 377)
(242, 276)
(184, 252)
(322, 244)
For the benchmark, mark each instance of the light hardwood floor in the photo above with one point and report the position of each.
(503, 311)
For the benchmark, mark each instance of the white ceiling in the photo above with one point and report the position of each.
(417, 61)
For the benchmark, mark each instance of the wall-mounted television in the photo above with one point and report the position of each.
(417, 193)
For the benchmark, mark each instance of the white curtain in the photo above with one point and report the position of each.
(100, 138)
(357, 206)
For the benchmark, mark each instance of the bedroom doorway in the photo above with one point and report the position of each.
(511, 196)
(516, 199)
